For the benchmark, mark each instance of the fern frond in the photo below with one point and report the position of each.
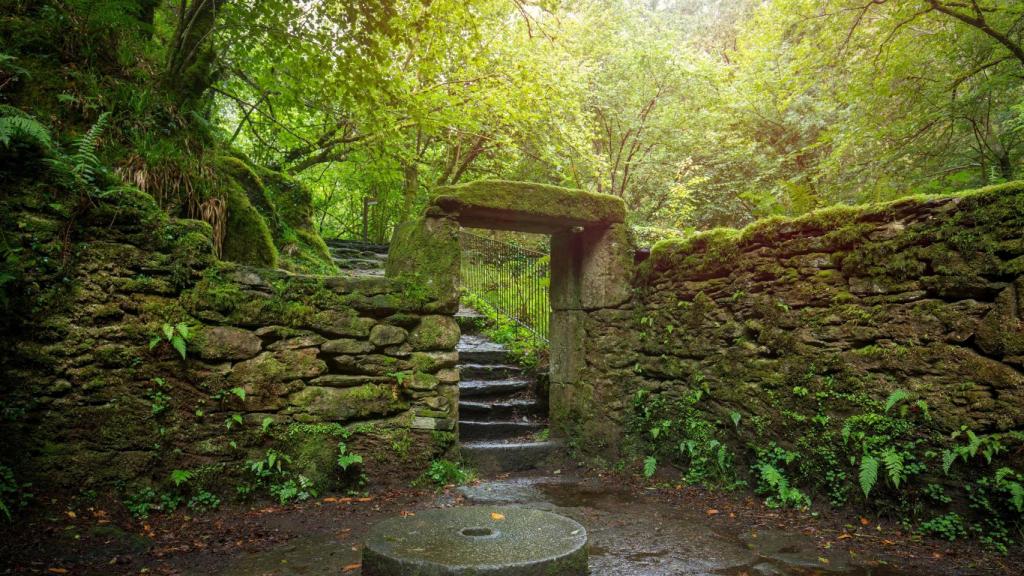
(868, 474)
(23, 128)
(948, 457)
(894, 466)
(898, 395)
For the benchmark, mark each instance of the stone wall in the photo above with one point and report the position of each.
(275, 361)
(793, 326)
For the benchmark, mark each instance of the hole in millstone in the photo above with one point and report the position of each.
(477, 532)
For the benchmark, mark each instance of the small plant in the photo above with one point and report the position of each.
(650, 466)
(13, 496)
(542, 435)
(203, 502)
(159, 401)
(948, 526)
(773, 483)
(346, 458)
(443, 473)
(180, 477)
(177, 336)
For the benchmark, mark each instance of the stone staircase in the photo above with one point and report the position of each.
(502, 422)
(363, 258)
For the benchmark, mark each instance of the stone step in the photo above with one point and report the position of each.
(357, 246)
(480, 388)
(470, 430)
(489, 371)
(501, 409)
(499, 457)
(357, 264)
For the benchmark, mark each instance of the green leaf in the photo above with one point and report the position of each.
(168, 331)
(178, 343)
(735, 417)
(650, 466)
(898, 395)
(266, 423)
(948, 457)
(894, 466)
(238, 391)
(868, 474)
(179, 477)
(183, 330)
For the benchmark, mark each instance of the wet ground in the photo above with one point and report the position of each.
(633, 530)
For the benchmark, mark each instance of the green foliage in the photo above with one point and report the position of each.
(18, 127)
(346, 458)
(523, 345)
(13, 495)
(442, 473)
(650, 466)
(272, 473)
(673, 430)
(203, 502)
(177, 336)
(949, 526)
(180, 477)
(868, 475)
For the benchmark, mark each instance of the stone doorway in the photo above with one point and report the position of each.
(591, 264)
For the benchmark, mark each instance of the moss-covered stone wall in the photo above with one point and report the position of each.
(851, 332)
(96, 395)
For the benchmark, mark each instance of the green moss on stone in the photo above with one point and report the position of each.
(247, 239)
(529, 199)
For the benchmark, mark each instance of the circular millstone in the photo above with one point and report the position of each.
(477, 540)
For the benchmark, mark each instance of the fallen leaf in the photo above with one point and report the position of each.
(864, 521)
(888, 542)
(366, 499)
(712, 511)
(330, 499)
(351, 567)
(497, 516)
(72, 515)
(406, 513)
(844, 536)
(822, 559)
(57, 571)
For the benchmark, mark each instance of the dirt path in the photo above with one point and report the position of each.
(633, 531)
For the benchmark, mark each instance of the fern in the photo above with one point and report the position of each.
(868, 474)
(16, 126)
(894, 466)
(948, 457)
(84, 161)
(650, 466)
(898, 395)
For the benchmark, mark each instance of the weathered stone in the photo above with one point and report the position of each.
(279, 366)
(342, 323)
(385, 335)
(435, 333)
(346, 346)
(226, 343)
(297, 342)
(428, 423)
(433, 361)
(420, 381)
(342, 404)
(606, 267)
(527, 207)
(425, 256)
(479, 540)
(448, 376)
(371, 364)
(349, 380)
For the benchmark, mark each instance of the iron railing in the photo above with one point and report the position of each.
(510, 278)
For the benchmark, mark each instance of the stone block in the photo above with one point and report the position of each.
(385, 335)
(225, 343)
(435, 333)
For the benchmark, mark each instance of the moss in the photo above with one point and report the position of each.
(425, 256)
(287, 208)
(247, 239)
(540, 200)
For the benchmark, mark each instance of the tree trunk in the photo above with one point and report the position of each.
(411, 188)
(190, 70)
